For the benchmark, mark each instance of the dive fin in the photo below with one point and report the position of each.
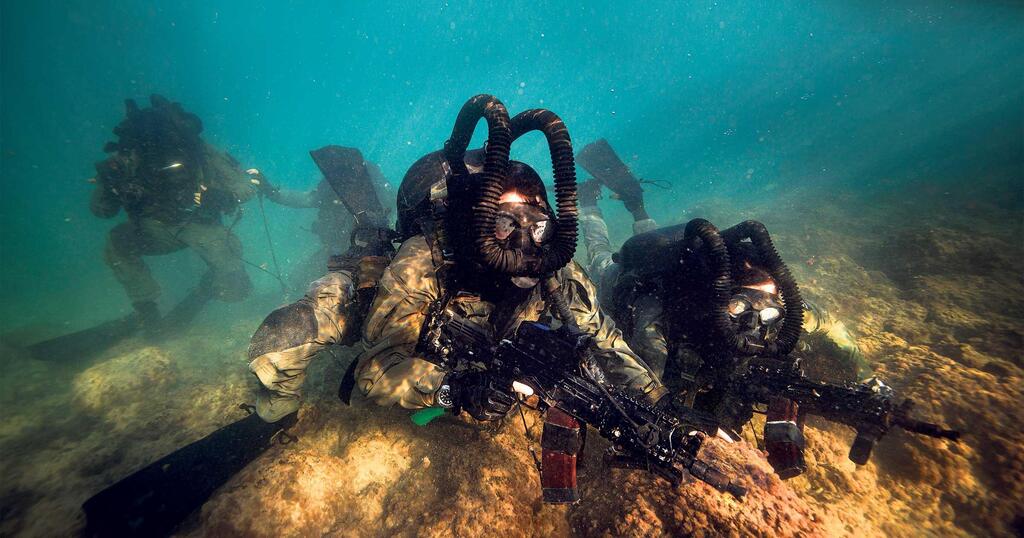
(346, 172)
(154, 500)
(86, 342)
(600, 160)
(187, 309)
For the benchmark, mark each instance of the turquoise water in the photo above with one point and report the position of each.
(718, 98)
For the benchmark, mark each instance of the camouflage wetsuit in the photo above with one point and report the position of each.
(647, 329)
(164, 218)
(389, 371)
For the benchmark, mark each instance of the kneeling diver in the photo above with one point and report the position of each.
(155, 499)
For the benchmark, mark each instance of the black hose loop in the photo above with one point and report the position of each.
(563, 166)
(792, 322)
(495, 170)
(718, 255)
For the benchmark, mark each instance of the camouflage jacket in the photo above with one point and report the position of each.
(219, 182)
(389, 371)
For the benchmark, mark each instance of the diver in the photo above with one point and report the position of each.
(153, 500)
(333, 222)
(665, 291)
(481, 238)
(175, 188)
(333, 307)
(822, 331)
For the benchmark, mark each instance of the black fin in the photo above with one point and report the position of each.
(187, 309)
(83, 344)
(154, 500)
(600, 160)
(348, 383)
(86, 343)
(346, 171)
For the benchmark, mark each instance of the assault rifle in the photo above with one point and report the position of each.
(559, 366)
(870, 407)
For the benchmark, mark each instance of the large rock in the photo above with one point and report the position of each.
(126, 388)
(634, 503)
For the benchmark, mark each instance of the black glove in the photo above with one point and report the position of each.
(476, 393)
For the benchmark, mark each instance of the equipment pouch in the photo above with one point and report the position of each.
(784, 438)
(560, 444)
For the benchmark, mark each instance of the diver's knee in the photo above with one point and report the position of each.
(287, 327)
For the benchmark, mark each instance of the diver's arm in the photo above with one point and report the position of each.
(103, 203)
(623, 367)
(227, 186)
(292, 198)
(648, 337)
(829, 339)
(389, 371)
(285, 197)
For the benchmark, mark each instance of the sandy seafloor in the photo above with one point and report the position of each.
(929, 282)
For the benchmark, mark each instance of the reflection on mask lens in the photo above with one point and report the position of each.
(504, 225)
(769, 314)
(540, 232)
(737, 307)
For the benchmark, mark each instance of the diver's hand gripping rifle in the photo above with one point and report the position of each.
(871, 407)
(560, 368)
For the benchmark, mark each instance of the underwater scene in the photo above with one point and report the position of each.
(513, 268)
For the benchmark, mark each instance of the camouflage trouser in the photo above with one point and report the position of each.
(291, 336)
(602, 270)
(647, 338)
(216, 245)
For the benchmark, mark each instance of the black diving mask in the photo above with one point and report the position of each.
(523, 224)
(756, 312)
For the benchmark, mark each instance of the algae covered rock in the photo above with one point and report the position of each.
(127, 387)
(634, 503)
